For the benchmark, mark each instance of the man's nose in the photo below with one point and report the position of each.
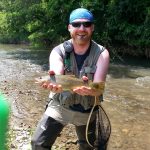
(82, 27)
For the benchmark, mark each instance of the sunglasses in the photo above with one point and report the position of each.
(78, 24)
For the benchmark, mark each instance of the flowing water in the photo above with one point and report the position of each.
(127, 95)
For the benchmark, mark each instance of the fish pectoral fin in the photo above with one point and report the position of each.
(97, 85)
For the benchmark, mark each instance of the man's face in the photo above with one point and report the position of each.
(81, 31)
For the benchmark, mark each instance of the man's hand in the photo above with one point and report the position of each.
(48, 85)
(84, 90)
(54, 88)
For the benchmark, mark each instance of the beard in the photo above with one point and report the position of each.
(81, 39)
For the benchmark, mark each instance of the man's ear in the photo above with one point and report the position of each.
(93, 28)
(69, 29)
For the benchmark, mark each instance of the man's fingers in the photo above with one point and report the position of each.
(84, 78)
(55, 88)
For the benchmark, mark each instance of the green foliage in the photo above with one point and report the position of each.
(3, 25)
(49, 22)
(44, 22)
(127, 23)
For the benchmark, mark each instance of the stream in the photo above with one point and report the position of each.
(126, 99)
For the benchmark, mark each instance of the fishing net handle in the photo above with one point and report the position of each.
(96, 103)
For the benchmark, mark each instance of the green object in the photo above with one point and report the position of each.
(67, 65)
(4, 116)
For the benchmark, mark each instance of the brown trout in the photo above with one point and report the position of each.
(69, 82)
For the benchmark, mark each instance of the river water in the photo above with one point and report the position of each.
(126, 97)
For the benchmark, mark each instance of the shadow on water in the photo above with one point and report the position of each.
(121, 72)
(35, 56)
(126, 67)
(132, 61)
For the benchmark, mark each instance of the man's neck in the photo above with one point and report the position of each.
(80, 48)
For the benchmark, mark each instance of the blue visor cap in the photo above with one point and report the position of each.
(81, 13)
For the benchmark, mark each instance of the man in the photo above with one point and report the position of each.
(87, 59)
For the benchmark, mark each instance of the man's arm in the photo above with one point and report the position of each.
(102, 67)
(56, 65)
(100, 75)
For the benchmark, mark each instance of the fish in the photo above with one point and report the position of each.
(70, 82)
